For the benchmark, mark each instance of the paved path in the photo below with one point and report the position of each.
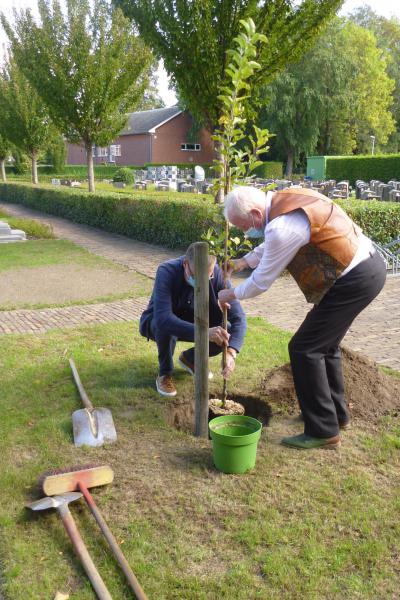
(375, 333)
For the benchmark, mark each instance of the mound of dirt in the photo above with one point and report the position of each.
(370, 393)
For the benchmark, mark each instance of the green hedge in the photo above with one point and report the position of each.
(378, 220)
(173, 220)
(383, 167)
(270, 170)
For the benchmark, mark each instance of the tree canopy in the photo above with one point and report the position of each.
(25, 120)
(333, 99)
(87, 65)
(193, 38)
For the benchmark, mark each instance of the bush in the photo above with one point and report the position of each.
(384, 167)
(173, 220)
(270, 170)
(124, 175)
(32, 228)
(378, 220)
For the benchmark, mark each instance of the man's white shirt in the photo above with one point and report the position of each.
(284, 236)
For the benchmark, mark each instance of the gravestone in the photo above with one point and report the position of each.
(10, 235)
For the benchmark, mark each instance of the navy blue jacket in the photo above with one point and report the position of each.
(171, 306)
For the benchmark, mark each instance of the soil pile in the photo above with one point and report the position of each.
(370, 392)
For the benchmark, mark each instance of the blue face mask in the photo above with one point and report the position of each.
(254, 232)
(190, 281)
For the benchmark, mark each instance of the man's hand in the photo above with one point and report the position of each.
(234, 266)
(230, 363)
(224, 297)
(219, 336)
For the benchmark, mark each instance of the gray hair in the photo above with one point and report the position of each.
(190, 257)
(241, 200)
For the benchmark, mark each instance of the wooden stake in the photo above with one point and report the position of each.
(225, 314)
(201, 340)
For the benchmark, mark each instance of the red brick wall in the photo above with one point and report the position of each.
(168, 139)
(162, 147)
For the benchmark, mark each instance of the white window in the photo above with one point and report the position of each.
(115, 150)
(103, 152)
(191, 147)
(94, 151)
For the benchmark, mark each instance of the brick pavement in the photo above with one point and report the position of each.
(376, 332)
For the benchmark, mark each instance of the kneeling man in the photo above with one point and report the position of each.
(169, 318)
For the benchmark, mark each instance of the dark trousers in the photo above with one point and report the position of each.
(314, 349)
(166, 347)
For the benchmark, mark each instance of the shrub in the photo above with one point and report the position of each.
(32, 228)
(270, 170)
(384, 167)
(173, 220)
(124, 175)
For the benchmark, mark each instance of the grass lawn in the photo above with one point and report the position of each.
(314, 525)
(37, 260)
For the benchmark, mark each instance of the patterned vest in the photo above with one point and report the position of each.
(333, 242)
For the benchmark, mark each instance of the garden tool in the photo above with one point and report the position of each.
(82, 478)
(60, 503)
(92, 426)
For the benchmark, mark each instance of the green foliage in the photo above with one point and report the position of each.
(172, 220)
(87, 65)
(379, 220)
(382, 167)
(312, 108)
(32, 228)
(124, 175)
(193, 39)
(56, 154)
(25, 118)
(234, 162)
(236, 245)
(269, 170)
(21, 163)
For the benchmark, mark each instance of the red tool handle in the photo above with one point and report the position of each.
(130, 576)
(83, 554)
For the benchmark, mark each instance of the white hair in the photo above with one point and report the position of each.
(241, 200)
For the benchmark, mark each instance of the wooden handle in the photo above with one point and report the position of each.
(112, 542)
(83, 554)
(84, 397)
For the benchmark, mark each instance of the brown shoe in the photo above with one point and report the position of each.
(165, 385)
(188, 366)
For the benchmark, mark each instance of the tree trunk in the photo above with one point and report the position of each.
(3, 170)
(289, 164)
(90, 169)
(35, 180)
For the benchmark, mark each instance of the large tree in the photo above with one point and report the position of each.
(25, 118)
(87, 65)
(193, 37)
(387, 34)
(333, 99)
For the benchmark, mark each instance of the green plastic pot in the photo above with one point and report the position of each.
(235, 439)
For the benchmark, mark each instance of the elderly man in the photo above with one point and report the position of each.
(169, 318)
(339, 272)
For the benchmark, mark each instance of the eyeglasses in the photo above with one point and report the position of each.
(210, 277)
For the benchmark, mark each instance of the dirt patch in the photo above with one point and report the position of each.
(181, 411)
(56, 284)
(370, 393)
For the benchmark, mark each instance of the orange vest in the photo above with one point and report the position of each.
(334, 240)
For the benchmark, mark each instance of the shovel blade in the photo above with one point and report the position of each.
(93, 428)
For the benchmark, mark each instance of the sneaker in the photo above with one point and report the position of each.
(306, 442)
(165, 385)
(188, 366)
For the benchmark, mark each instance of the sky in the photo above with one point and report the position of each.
(386, 8)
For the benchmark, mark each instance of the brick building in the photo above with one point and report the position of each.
(158, 136)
